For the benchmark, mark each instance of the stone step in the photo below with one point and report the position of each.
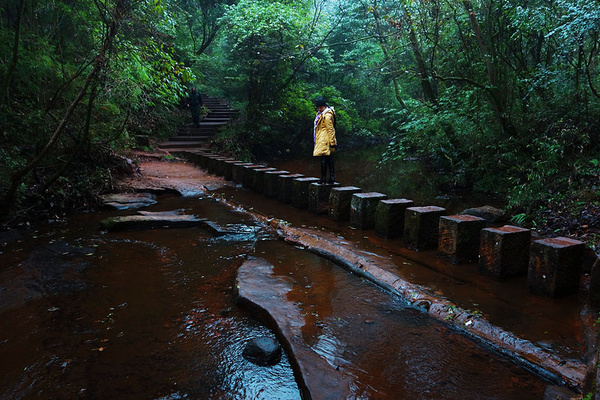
(189, 138)
(208, 127)
(220, 114)
(222, 120)
(181, 145)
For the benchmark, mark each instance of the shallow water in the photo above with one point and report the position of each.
(150, 314)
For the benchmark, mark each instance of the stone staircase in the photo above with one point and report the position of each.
(190, 136)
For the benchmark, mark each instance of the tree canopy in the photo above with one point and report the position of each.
(498, 96)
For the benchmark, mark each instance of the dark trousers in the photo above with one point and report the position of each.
(195, 114)
(327, 164)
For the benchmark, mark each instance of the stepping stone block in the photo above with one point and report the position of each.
(555, 266)
(362, 209)
(318, 197)
(211, 165)
(594, 289)
(271, 186)
(207, 159)
(504, 251)
(459, 237)
(340, 200)
(258, 178)
(285, 187)
(200, 157)
(248, 176)
(238, 171)
(196, 157)
(421, 227)
(300, 191)
(389, 217)
(219, 165)
(228, 171)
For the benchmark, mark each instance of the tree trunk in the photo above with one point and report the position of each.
(428, 90)
(382, 44)
(5, 92)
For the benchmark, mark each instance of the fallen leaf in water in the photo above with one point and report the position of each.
(51, 309)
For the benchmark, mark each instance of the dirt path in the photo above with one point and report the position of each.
(158, 173)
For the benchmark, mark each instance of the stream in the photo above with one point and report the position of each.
(151, 314)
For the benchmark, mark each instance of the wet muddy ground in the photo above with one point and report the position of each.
(151, 314)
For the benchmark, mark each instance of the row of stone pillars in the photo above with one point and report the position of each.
(553, 265)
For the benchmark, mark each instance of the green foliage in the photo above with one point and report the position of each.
(138, 79)
(501, 97)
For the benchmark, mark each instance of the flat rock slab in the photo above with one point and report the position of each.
(150, 220)
(129, 201)
(265, 293)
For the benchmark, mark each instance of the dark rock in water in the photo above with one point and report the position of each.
(489, 213)
(263, 351)
(559, 393)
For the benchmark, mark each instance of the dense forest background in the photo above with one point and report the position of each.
(497, 96)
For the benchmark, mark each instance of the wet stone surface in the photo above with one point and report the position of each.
(129, 201)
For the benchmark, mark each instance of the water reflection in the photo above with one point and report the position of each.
(156, 319)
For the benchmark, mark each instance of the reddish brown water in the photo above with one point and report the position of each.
(150, 315)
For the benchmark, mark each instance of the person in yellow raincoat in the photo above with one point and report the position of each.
(324, 138)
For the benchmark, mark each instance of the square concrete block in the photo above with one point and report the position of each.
(300, 191)
(594, 289)
(219, 165)
(421, 227)
(459, 237)
(248, 175)
(504, 251)
(211, 162)
(555, 266)
(362, 209)
(389, 217)
(271, 186)
(238, 171)
(258, 178)
(204, 160)
(285, 187)
(318, 197)
(340, 199)
(228, 171)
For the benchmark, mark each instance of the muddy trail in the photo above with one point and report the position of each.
(156, 313)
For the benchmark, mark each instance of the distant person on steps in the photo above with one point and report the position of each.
(324, 138)
(195, 104)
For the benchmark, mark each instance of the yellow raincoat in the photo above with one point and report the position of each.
(324, 133)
